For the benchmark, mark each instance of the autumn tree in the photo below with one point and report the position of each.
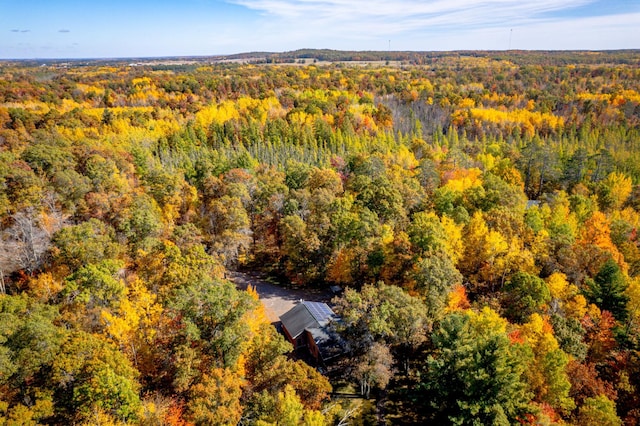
(598, 410)
(216, 398)
(91, 375)
(383, 314)
(547, 372)
(435, 278)
(24, 243)
(614, 190)
(374, 369)
(88, 242)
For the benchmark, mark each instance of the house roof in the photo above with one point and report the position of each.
(307, 316)
(329, 342)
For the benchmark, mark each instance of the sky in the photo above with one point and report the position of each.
(150, 28)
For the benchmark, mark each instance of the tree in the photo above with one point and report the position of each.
(95, 285)
(427, 233)
(24, 243)
(599, 410)
(269, 201)
(141, 221)
(90, 375)
(599, 336)
(435, 278)
(216, 398)
(524, 295)
(212, 313)
(475, 375)
(228, 226)
(374, 369)
(607, 290)
(29, 342)
(384, 314)
(614, 191)
(166, 267)
(135, 325)
(540, 167)
(566, 299)
(587, 383)
(300, 244)
(88, 242)
(570, 336)
(287, 410)
(380, 196)
(483, 249)
(547, 372)
(596, 246)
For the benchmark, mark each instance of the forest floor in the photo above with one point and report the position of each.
(277, 298)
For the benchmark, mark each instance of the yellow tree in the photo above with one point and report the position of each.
(614, 190)
(134, 324)
(596, 246)
(633, 306)
(566, 296)
(215, 400)
(547, 375)
(483, 249)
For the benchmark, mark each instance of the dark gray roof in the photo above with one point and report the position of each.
(329, 342)
(306, 316)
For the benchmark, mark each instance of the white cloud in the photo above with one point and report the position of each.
(439, 25)
(403, 15)
(592, 33)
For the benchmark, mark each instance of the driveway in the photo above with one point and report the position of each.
(277, 299)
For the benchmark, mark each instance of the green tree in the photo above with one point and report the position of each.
(475, 375)
(524, 295)
(142, 220)
(599, 410)
(95, 285)
(89, 242)
(426, 233)
(382, 313)
(435, 277)
(212, 316)
(90, 375)
(570, 335)
(380, 196)
(29, 342)
(607, 290)
(300, 246)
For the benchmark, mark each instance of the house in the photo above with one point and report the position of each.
(309, 325)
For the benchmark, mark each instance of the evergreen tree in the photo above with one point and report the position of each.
(607, 290)
(475, 375)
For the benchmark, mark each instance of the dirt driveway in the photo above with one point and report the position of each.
(277, 299)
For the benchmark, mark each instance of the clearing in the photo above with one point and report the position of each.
(277, 299)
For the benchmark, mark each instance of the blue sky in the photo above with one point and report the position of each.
(142, 28)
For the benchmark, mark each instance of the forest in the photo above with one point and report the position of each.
(480, 210)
